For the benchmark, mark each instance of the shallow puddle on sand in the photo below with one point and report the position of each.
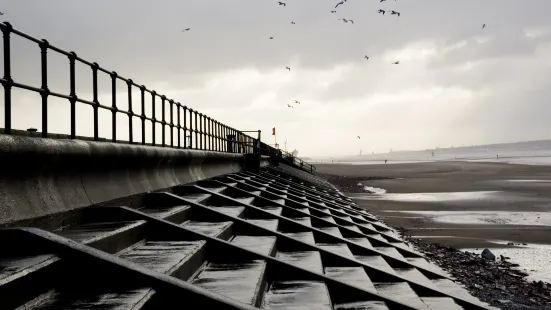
(533, 259)
(529, 181)
(432, 197)
(484, 217)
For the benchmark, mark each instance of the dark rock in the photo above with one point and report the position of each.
(486, 254)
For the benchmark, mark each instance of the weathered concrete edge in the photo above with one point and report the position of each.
(39, 177)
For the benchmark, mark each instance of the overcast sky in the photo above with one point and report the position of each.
(456, 84)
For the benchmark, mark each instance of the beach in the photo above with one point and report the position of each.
(465, 205)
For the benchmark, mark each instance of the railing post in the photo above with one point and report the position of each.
(44, 91)
(95, 67)
(185, 127)
(129, 82)
(8, 81)
(142, 90)
(153, 120)
(73, 94)
(230, 143)
(163, 123)
(178, 107)
(171, 102)
(114, 106)
(196, 131)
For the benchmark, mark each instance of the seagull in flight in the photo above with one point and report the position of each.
(288, 68)
(395, 13)
(358, 137)
(483, 26)
(381, 11)
(342, 2)
(290, 106)
(333, 11)
(297, 102)
(187, 29)
(292, 22)
(282, 3)
(271, 38)
(384, 0)
(1, 13)
(396, 62)
(366, 57)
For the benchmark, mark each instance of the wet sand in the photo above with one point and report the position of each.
(519, 194)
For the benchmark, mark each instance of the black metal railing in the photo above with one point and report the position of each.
(181, 127)
(288, 157)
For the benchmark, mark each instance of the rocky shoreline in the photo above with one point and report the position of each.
(495, 282)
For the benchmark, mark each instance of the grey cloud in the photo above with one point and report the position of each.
(142, 40)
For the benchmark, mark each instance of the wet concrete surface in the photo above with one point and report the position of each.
(208, 228)
(435, 303)
(329, 219)
(362, 305)
(361, 241)
(310, 260)
(269, 224)
(245, 200)
(390, 251)
(273, 210)
(133, 299)
(307, 237)
(297, 295)
(229, 210)
(162, 256)
(377, 261)
(401, 291)
(90, 232)
(263, 245)
(337, 248)
(12, 268)
(331, 230)
(198, 197)
(238, 281)
(303, 220)
(163, 212)
(352, 275)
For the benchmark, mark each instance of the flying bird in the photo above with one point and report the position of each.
(333, 11)
(395, 13)
(187, 29)
(351, 21)
(290, 106)
(288, 68)
(366, 57)
(271, 38)
(396, 62)
(297, 102)
(483, 26)
(1, 13)
(381, 11)
(292, 22)
(358, 137)
(342, 2)
(383, 0)
(282, 3)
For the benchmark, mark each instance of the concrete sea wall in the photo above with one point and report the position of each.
(40, 177)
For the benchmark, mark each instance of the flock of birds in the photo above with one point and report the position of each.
(345, 20)
(280, 3)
